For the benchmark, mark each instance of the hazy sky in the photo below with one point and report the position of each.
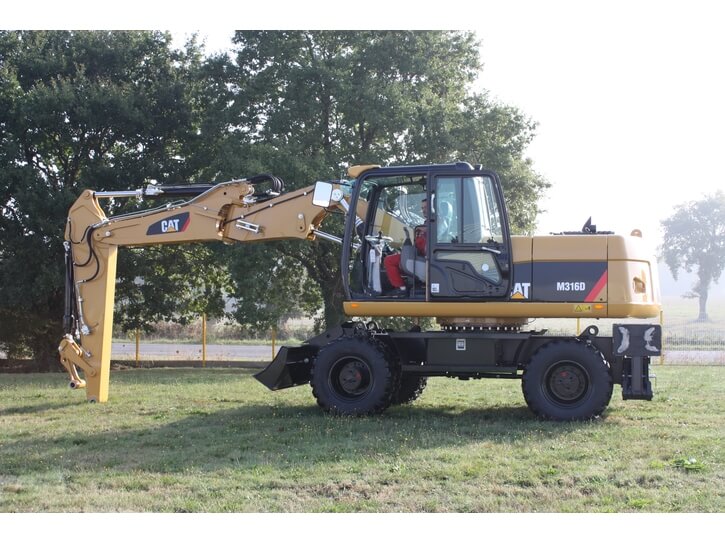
(629, 101)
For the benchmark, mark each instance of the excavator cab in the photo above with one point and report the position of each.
(457, 210)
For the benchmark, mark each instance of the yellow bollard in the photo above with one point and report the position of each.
(203, 340)
(662, 325)
(274, 338)
(578, 326)
(138, 357)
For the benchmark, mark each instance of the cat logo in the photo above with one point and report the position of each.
(176, 223)
(521, 291)
(172, 225)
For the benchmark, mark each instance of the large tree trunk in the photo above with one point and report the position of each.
(703, 306)
(334, 315)
(323, 266)
(702, 289)
(333, 297)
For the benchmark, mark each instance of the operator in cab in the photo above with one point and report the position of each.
(392, 263)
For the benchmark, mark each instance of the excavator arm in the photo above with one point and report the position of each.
(229, 212)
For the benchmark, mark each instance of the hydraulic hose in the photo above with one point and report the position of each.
(69, 316)
(277, 183)
(193, 190)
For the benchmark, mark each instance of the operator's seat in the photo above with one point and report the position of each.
(444, 222)
(411, 263)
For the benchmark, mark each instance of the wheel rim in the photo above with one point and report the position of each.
(351, 378)
(566, 382)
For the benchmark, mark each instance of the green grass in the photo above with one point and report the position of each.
(215, 440)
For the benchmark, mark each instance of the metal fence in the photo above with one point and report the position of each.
(684, 341)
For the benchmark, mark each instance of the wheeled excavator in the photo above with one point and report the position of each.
(481, 284)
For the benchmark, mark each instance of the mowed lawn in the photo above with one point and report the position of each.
(213, 440)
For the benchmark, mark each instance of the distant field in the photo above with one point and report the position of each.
(187, 440)
(681, 330)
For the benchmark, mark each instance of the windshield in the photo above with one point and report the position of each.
(467, 211)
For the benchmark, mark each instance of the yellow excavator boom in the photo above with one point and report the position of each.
(227, 212)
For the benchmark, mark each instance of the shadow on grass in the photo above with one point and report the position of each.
(264, 437)
(33, 408)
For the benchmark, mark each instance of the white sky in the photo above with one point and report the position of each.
(628, 94)
(630, 104)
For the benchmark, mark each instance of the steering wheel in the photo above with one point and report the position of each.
(378, 240)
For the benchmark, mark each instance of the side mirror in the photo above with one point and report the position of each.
(322, 196)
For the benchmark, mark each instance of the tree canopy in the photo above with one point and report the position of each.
(105, 110)
(694, 239)
(313, 103)
(111, 110)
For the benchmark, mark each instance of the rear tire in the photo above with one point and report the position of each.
(354, 376)
(411, 387)
(567, 381)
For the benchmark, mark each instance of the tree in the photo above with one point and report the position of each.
(310, 103)
(109, 110)
(105, 110)
(694, 239)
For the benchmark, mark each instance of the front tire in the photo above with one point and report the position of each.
(567, 381)
(354, 376)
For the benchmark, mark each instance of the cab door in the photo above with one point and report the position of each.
(469, 239)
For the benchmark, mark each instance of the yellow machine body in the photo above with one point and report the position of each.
(593, 276)
(629, 287)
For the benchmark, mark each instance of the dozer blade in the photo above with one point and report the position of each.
(290, 367)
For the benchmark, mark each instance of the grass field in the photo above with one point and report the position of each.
(215, 440)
